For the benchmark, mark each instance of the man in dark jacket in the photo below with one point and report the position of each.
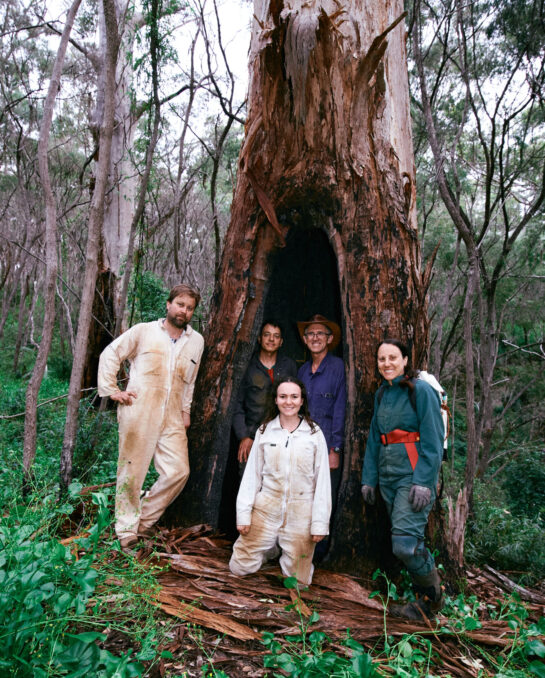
(265, 368)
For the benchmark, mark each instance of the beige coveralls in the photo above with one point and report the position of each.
(162, 373)
(285, 497)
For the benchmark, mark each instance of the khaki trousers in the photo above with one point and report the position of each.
(271, 526)
(140, 441)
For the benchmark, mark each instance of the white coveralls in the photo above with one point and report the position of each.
(285, 497)
(162, 373)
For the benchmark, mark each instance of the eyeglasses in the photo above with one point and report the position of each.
(317, 335)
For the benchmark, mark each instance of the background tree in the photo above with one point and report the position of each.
(96, 216)
(480, 99)
(29, 448)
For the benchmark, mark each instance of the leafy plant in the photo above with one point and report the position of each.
(305, 654)
(45, 591)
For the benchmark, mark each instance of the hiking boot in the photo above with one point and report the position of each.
(127, 543)
(429, 598)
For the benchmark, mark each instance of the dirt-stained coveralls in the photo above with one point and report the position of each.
(285, 497)
(163, 373)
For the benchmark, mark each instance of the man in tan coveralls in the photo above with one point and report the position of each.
(153, 412)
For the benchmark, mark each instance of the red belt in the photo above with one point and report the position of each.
(408, 438)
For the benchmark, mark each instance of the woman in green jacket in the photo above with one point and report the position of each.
(403, 456)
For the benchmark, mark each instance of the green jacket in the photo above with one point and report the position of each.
(386, 464)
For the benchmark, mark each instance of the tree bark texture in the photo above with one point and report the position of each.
(327, 152)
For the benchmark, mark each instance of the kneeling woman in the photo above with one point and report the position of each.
(403, 455)
(284, 498)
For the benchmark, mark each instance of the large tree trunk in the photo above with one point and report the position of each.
(323, 220)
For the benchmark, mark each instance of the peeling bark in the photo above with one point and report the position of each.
(328, 145)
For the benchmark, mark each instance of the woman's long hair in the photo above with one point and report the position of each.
(272, 408)
(410, 373)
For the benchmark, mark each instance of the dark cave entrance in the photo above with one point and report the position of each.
(304, 282)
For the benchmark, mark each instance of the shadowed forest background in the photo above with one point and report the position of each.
(120, 147)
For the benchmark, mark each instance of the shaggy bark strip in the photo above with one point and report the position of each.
(200, 589)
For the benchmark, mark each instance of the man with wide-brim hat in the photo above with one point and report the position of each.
(335, 330)
(324, 380)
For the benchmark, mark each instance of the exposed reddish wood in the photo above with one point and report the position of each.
(328, 145)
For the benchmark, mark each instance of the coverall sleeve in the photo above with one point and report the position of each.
(432, 432)
(321, 504)
(339, 410)
(188, 393)
(369, 474)
(122, 348)
(239, 415)
(250, 483)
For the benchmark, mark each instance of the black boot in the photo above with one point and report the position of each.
(429, 598)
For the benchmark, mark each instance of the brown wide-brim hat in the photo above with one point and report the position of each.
(322, 320)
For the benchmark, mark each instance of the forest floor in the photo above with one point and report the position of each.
(222, 617)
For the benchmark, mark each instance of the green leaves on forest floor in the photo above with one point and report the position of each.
(311, 653)
(78, 606)
(55, 613)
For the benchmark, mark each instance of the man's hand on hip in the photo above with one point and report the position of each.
(244, 449)
(123, 397)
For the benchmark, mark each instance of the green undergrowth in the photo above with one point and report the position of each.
(72, 604)
(310, 653)
(66, 606)
(507, 525)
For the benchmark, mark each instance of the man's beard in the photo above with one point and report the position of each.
(177, 322)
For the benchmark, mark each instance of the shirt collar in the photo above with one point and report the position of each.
(275, 423)
(395, 381)
(187, 330)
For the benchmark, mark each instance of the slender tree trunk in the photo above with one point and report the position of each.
(119, 196)
(459, 512)
(93, 238)
(22, 320)
(179, 192)
(327, 158)
(155, 116)
(488, 357)
(29, 444)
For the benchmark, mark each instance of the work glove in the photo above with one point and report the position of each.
(369, 494)
(419, 497)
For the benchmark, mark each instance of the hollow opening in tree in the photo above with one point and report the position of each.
(304, 282)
